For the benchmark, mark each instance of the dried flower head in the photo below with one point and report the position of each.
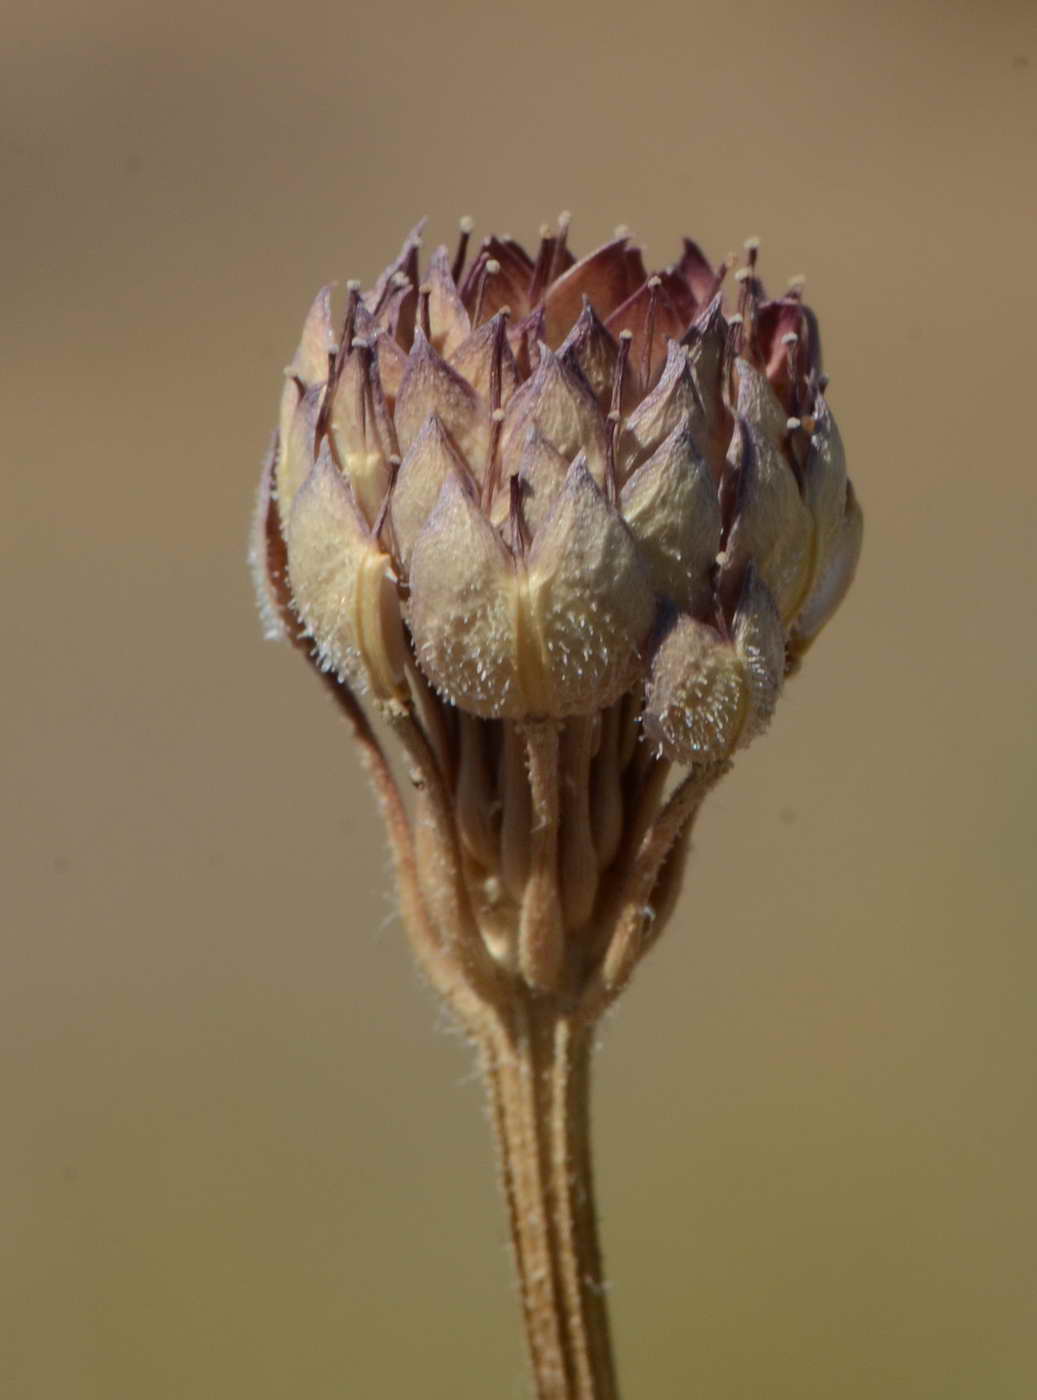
(568, 526)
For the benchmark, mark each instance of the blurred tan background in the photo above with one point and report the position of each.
(242, 1154)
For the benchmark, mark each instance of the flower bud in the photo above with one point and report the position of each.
(542, 471)
(430, 387)
(559, 403)
(518, 473)
(311, 360)
(464, 607)
(342, 585)
(361, 430)
(298, 438)
(672, 404)
(772, 525)
(591, 349)
(428, 463)
(603, 279)
(553, 632)
(671, 506)
(590, 602)
(708, 696)
(837, 528)
(476, 357)
(449, 322)
(698, 696)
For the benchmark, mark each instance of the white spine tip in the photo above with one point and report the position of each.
(751, 245)
(492, 266)
(352, 285)
(466, 223)
(360, 343)
(790, 338)
(626, 335)
(792, 424)
(736, 319)
(565, 218)
(797, 283)
(621, 231)
(654, 282)
(497, 416)
(743, 274)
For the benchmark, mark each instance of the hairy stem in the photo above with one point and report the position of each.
(537, 1070)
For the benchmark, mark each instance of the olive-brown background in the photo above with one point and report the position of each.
(243, 1155)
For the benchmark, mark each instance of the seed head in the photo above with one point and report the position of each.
(558, 506)
(566, 461)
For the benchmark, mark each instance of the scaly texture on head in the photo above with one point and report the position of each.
(527, 493)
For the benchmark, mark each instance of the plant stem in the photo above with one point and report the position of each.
(537, 1068)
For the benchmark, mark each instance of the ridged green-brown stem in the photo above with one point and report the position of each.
(537, 1074)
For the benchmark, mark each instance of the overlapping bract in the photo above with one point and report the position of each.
(545, 482)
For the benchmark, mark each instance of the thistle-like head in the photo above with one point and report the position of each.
(546, 495)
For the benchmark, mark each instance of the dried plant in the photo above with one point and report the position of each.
(564, 528)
